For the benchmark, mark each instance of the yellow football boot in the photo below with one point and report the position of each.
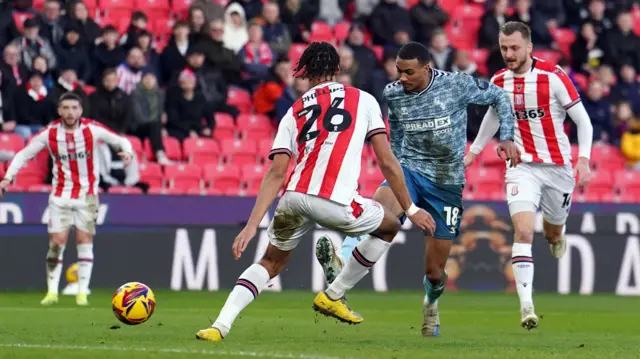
(49, 299)
(210, 334)
(81, 300)
(336, 308)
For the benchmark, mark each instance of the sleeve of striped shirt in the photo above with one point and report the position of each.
(376, 123)
(37, 143)
(286, 136)
(113, 139)
(563, 89)
(488, 129)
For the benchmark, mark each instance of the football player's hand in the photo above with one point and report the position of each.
(3, 185)
(468, 159)
(583, 171)
(507, 150)
(126, 158)
(242, 240)
(424, 221)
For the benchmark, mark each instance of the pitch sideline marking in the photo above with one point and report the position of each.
(169, 350)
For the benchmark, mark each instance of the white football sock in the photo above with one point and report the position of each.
(247, 288)
(54, 267)
(365, 255)
(522, 264)
(85, 266)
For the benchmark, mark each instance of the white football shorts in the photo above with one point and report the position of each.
(533, 185)
(297, 213)
(81, 213)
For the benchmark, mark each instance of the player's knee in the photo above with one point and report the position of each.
(524, 234)
(58, 239)
(84, 237)
(388, 229)
(273, 264)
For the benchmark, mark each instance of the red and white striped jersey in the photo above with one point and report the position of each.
(324, 131)
(540, 100)
(75, 164)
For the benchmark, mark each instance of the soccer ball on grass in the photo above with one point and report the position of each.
(133, 303)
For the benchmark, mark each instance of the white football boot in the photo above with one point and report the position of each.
(529, 319)
(329, 258)
(558, 249)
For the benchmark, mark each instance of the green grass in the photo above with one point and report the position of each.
(283, 325)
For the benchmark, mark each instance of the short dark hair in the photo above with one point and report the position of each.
(139, 15)
(319, 60)
(512, 27)
(414, 50)
(109, 71)
(70, 96)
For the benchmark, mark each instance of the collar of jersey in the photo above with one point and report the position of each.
(433, 76)
(324, 84)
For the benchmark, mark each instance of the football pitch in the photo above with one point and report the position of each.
(283, 325)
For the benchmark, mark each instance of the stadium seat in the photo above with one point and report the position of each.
(607, 157)
(138, 149)
(341, 30)
(15, 188)
(581, 81)
(367, 190)
(39, 4)
(379, 51)
(19, 18)
(551, 56)
(246, 192)
(295, 52)
(171, 148)
(264, 147)
(180, 8)
(460, 38)
(621, 198)
(117, 18)
(564, 38)
(166, 191)
(182, 176)
(11, 142)
(151, 173)
(586, 197)
(321, 31)
(253, 174)
(484, 176)
(151, 7)
(125, 190)
(40, 188)
(257, 134)
(30, 174)
(246, 120)
(449, 5)
(467, 13)
(239, 98)
(240, 152)
(222, 176)
(197, 149)
(489, 157)
(205, 192)
(370, 176)
(480, 56)
(163, 26)
(110, 5)
(627, 180)
(601, 182)
(225, 126)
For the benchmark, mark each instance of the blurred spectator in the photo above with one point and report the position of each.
(363, 54)
(598, 109)
(332, 11)
(442, 54)
(492, 21)
(212, 10)
(624, 118)
(381, 77)
(35, 107)
(275, 32)
(272, 88)
(256, 54)
(630, 144)
(597, 16)
(426, 17)
(32, 44)
(495, 62)
(463, 63)
(173, 59)
(298, 15)
(90, 30)
(628, 88)
(148, 109)
(623, 44)
(107, 54)
(400, 38)
(552, 11)
(197, 22)
(72, 53)
(607, 77)
(235, 28)
(188, 114)
(344, 78)
(40, 66)
(11, 10)
(576, 13)
(349, 66)
(68, 82)
(252, 8)
(540, 34)
(52, 22)
(14, 73)
(386, 18)
(364, 8)
(290, 95)
(587, 50)
(151, 57)
(219, 56)
(130, 72)
(110, 105)
(113, 172)
(139, 23)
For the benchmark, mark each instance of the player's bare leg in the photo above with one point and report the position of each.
(554, 233)
(331, 302)
(435, 280)
(84, 244)
(57, 244)
(246, 290)
(327, 254)
(522, 263)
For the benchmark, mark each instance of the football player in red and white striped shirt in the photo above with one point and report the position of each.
(542, 95)
(324, 132)
(72, 142)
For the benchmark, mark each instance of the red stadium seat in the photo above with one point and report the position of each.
(151, 5)
(151, 173)
(239, 98)
(379, 51)
(166, 191)
(40, 188)
(163, 26)
(181, 7)
(244, 192)
(480, 56)
(253, 173)
(564, 38)
(225, 126)
(246, 120)
(16, 188)
(627, 180)
(586, 197)
(32, 173)
(341, 31)
(118, 18)
(257, 134)
(468, 13)
(240, 152)
(370, 176)
(321, 31)
(19, 18)
(607, 157)
(171, 148)
(205, 192)
(482, 176)
(107, 5)
(411, 3)
(138, 149)
(450, 5)
(368, 189)
(222, 177)
(621, 198)
(489, 157)
(295, 52)
(601, 181)
(11, 142)
(459, 37)
(125, 190)
(200, 147)
(264, 147)
(550, 56)
(183, 176)
(39, 4)
(581, 81)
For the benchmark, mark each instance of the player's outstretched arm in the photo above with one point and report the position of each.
(113, 139)
(272, 183)
(36, 145)
(395, 177)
